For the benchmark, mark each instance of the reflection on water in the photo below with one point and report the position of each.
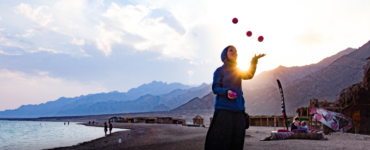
(41, 135)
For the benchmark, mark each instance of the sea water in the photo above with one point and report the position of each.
(41, 135)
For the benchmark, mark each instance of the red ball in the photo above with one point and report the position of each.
(260, 38)
(249, 33)
(235, 20)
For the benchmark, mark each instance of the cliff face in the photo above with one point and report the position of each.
(206, 102)
(289, 75)
(325, 83)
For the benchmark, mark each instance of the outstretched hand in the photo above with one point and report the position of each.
(256, 57)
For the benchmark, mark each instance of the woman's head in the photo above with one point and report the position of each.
(229, 53)
(296, 118)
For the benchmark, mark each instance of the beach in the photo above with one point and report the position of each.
(143, 136)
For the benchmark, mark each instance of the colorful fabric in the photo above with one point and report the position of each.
(282, 135)
(299, 131)
(331, 119)
(283, 130)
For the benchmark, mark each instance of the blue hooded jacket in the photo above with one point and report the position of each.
(229, 77)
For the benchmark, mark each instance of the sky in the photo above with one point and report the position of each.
(67, 48)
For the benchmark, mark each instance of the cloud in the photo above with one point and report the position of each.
(190, 73)
(38, 15)
(310, 38)
(29, 33)
(78, 42)
(172, 22)
(132, 26)
(41, 49)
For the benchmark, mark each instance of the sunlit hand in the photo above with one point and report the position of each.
(256, 57)
(229, 93)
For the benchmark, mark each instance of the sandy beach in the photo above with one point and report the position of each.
(177, 137)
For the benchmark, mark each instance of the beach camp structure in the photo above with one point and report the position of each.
(140, 119)
(164, 120)
(131, 120)
(150, 120)
(198, 120)
(178, 121)
(267, 121)
(355, 103)
(117, 119)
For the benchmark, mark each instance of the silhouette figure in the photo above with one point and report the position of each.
(110, 128)
(89, 122)
(105, 128)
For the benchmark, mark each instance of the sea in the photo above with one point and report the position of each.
(33, 135)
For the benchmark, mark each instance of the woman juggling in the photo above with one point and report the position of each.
(227, 130)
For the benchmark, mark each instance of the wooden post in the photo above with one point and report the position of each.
(274, 121)
(261, 121)
(267, 121)
(308, 113)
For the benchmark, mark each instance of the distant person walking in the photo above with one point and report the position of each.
(227, 130)
(105, 128)
(64, 123)
(89, 122)
(110, 128)
(93, 122)
(68, 122)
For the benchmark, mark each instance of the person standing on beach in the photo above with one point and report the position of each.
(105, 128)
(110, 128)
(227, 130)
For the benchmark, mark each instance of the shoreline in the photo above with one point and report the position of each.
(143, 136)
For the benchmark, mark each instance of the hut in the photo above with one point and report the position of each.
(117, 119)
(140, 119)
(355, 103)
(150, 120)
(178, 121)
(164, 120)
(131, 120)
(198, 120)
(112, 119)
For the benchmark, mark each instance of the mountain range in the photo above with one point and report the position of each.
(323, 80)
(102, 102)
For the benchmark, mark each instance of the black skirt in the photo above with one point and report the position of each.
(227, 131)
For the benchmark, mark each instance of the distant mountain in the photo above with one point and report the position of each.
(145, 103)
(63, 105)
(206, 102)
(325, 83)
(288, 75)
(156, 88)
(160, 107)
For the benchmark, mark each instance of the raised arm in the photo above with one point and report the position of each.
(249, 74)
(217, 84)
(252, 69)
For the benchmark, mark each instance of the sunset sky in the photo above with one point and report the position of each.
(50, 49)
